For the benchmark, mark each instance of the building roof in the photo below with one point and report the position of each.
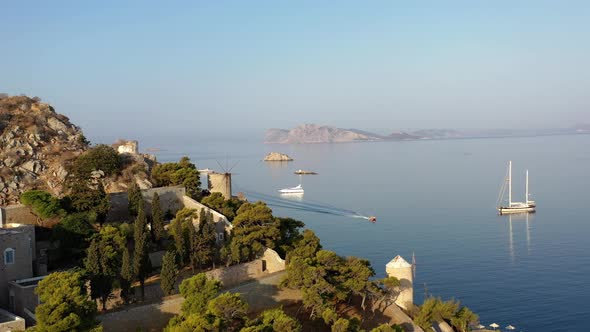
(398, 262)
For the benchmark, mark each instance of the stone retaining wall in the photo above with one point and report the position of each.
(17, 214)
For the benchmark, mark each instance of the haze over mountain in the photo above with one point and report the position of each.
(313, 133)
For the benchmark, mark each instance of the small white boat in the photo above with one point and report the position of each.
(515, 207)
(294, 190)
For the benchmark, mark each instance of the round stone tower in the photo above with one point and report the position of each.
(220, 182)
(404, 272)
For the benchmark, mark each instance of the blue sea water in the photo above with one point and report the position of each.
(437, 199)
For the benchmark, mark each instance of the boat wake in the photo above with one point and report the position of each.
(307, 206)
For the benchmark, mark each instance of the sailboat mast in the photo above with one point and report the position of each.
(526, 199)
(510, 183)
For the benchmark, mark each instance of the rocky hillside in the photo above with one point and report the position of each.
(311, 133)
(36, 144)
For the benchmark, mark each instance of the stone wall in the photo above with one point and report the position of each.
(171, 198)
(222, 225)
(270, 262)
(17, 214)
(10, 322)
(154, 317)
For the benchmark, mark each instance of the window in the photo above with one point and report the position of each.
(220, 237)
(9, 256)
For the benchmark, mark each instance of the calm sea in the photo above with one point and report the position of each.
(437, 199)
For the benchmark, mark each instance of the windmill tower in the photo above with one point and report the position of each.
(220, 182)
(404, 272)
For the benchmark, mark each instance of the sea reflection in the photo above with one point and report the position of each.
(518, 218)
(292, 196)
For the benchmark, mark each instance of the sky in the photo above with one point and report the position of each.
(132, 68)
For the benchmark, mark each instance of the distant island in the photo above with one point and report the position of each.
(313, 133)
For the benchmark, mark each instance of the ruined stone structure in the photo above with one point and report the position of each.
(269, 262)
(404, 272)
(172, 199)
(222, 225)
(17, 258)
(219, 182)
(123, 146)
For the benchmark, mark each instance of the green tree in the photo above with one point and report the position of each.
(195, 248)
(126, 276)
(157, 218)
(135, 199)
(388, 328)
(180, 232)
(357, 273)
(101, 157)
(254, 229)
(389, 289)
(168, 273)
(208, 235)
(92, 198)
(434, 309)
(346, 325)
(463, 318)
(65, 306)
(73, 234)
(273, 320)
(290, 234)
(306, 247)
(93, 268)
(227, 207)
(197, 292)
(42, 204)
(327, 279)
(228, 311)
(141, 260)
(103, 261)
(182, 173)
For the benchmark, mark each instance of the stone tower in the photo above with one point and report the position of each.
(404, 272)
(220, 182)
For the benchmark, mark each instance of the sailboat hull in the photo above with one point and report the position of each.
(508, 210)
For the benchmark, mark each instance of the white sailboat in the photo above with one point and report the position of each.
(515, 207)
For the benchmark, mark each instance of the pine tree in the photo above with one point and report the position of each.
(126, 277)
(157, 218)
(179, 240)
(103, 261)
(193, 247)
(202, 217)
(208, 234)
(93, 269)
(168, 273)
(135, 199)
(141, 260)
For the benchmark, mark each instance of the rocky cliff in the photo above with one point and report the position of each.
(312, 133)
(36, 144)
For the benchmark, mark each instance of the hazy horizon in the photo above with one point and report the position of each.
(217, 68)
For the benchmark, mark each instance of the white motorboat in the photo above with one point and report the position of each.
(294, 190)
(515, 207)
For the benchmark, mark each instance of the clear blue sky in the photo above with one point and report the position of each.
(173, 67)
